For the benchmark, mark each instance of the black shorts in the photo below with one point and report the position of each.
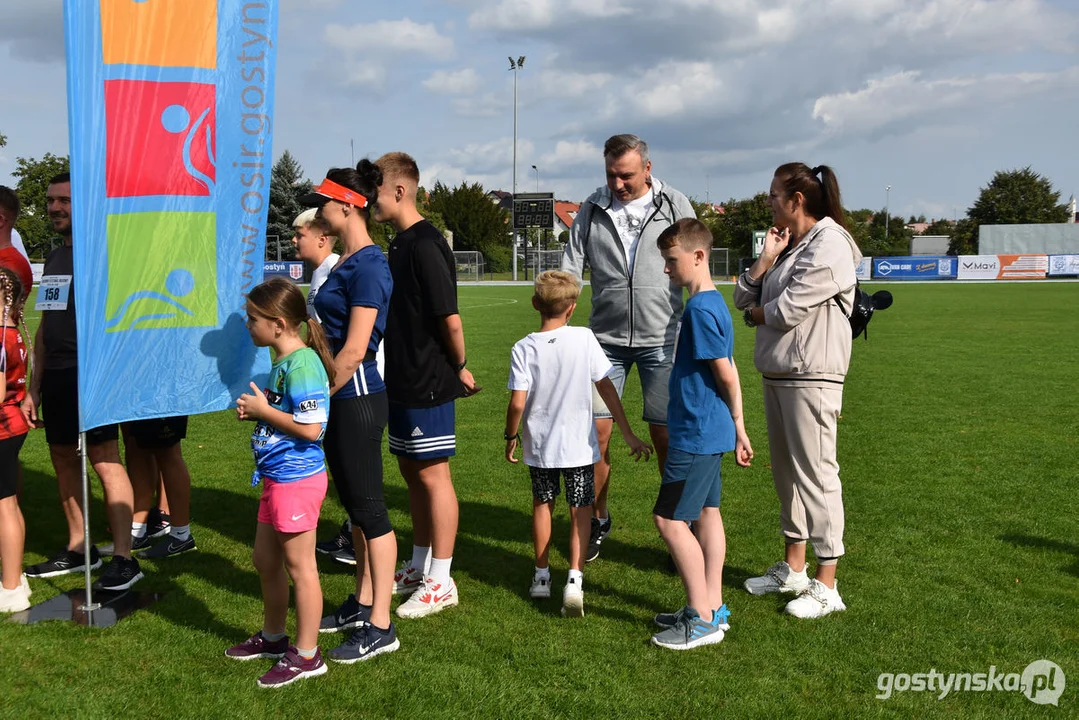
(580, 484)
(157, 433)
(60, 410)
(353, 446)
(9, 464)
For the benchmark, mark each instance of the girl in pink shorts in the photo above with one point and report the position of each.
(290, 416)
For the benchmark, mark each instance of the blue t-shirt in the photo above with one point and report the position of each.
(698, 421)
(362, 280)
(299, 387)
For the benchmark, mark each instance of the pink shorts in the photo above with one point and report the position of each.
(292, 507)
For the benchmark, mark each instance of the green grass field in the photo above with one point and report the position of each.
(958, 446)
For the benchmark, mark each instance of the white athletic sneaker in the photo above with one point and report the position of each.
(25, 585)
(573, 600)
(14, 600)
(407, 580)
(816, 601)
(430, 598)
(541, 586)
(778, 578)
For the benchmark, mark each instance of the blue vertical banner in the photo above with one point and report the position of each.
(170, 106)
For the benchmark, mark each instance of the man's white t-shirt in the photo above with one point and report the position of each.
(629, 219)
(557, 368)
(318, 277)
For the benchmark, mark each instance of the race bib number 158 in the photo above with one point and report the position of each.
(52, 293)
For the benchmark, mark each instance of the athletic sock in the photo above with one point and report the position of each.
(348, 524)
(605, 519)
(421, 558)
(181, 532)
(272, 637)
(576, 577)
(543, 572)
(440, 569)
(138, 530)
(307, 654)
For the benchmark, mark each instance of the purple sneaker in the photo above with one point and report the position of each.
(257, 646)
(291, 668)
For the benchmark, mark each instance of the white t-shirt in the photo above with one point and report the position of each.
(557, 368)
(318, 277)
(629, 219)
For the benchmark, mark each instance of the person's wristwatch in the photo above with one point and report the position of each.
(748, 317)
(507, 437)
(459, 368)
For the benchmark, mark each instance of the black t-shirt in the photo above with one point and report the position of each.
(419, 371)
(58, 326)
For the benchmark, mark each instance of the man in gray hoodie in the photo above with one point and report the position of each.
(635, 308)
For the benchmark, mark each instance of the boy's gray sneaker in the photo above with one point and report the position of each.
(669, 620)
(690, 632)
(778, 578)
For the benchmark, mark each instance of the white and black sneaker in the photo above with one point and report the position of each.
(169, 547)
(120, 574)
(158, 523)
(65, 562)
(343, 539)
(600, 530)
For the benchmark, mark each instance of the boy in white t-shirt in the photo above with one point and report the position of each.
(314, 243)
(551, 376)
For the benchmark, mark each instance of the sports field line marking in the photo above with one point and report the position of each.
(503, 301)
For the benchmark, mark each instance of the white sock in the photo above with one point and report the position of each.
(605, 518)
(440, 569)
(138, 530)
(576, 577)
(181, 532)
(307, 654)
(421, 558)
(543, 572)
(272, 637)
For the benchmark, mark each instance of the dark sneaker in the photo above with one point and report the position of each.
(365, 643)
(157, 524)
(65, 562)
(600, 531)
(141, 543)
(291, 668)
(169, 547)
(345, 556)
(350, 615)
(669, 620)
(340, 541)
(690, 632)
(258, 646)
(120, 574)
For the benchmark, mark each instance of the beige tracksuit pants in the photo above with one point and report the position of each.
(802, 441)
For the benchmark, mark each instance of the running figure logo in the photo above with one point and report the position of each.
(160, 138)
(162, 271)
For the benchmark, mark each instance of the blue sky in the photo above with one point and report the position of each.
(928, 96)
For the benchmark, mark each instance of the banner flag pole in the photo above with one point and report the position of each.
(89, 605)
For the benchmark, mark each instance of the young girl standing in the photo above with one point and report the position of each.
(14, 590)
(291, 419)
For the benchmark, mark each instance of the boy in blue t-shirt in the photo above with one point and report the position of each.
(704, 420)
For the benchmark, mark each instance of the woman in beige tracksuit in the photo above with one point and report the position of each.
(795, 295)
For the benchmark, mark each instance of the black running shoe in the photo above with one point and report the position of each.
(65, 562)
(350, 615)
(169, 547)
(157, 523)
(341, 541)
(141, 543)
(120, 574)
(345, 556)
(600, 531)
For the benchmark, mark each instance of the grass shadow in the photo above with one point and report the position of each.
(1049, 544)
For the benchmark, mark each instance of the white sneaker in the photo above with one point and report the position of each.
(573, 600)
(407, 580)
(14, 600)
(816, 601)
(429, 599)
(778, 578)
(541, 586)
(25, 585)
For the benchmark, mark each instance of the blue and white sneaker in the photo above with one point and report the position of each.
(690, 632)
(669, 620)
(349, 616)
(364, 644)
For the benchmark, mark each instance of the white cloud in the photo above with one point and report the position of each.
(568, 154)
(570, 84)
(488, 105)
(404, 36)
(453, 82)
(524, 15)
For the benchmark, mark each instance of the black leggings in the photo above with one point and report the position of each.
(9, 464)
(354, 453)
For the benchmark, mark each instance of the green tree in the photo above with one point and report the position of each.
(964, 238)
(897, 241)
(476, 222)
(33, 223)
(287, 186)
(940, 227)
(740, 218)
(1016, 197)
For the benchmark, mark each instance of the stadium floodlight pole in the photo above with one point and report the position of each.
(515, 65)
(537, 177)
(887, 212)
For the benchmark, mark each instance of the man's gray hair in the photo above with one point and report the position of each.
(619, 145)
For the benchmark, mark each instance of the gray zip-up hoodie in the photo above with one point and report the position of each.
(806, 338)
(641, 310)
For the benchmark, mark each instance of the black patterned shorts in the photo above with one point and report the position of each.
(580, 484)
